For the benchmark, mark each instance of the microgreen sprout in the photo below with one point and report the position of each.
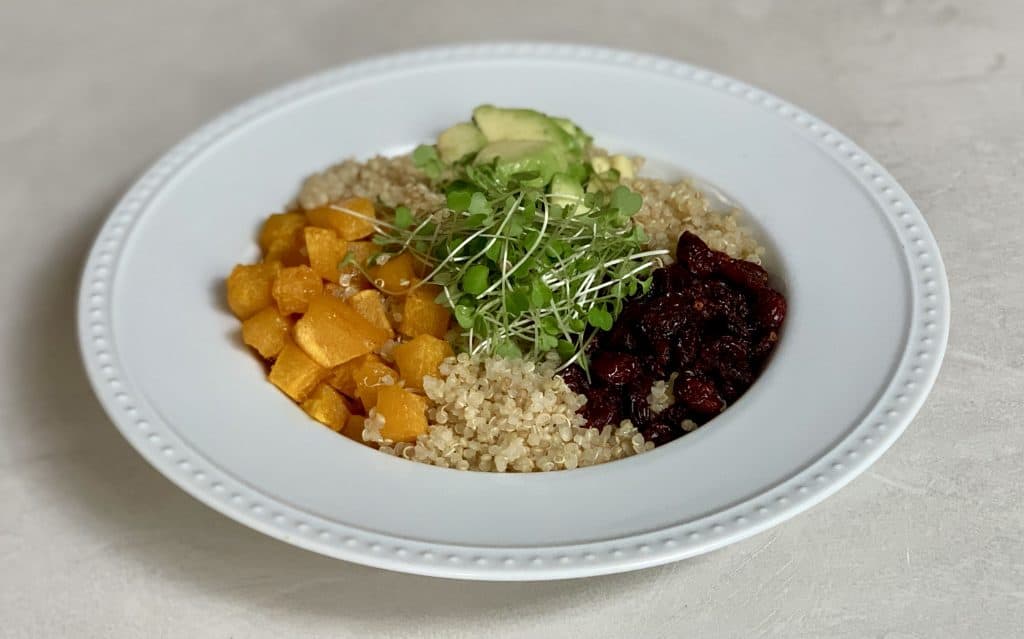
(522, 275)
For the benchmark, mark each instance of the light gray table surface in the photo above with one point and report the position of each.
(94, 543)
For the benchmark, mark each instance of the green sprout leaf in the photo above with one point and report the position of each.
(403, 217)
(426, 159)
(508, 349)
(517, 302)
(478, 204)
(463, 315)
(474, 281)
(599, 317)
(626, 201)
(459, 200)
(540, 294)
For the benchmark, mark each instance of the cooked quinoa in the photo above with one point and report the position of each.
(390, 181)
(507, 415)
(669, 208)
(514, 415)
(661, 395)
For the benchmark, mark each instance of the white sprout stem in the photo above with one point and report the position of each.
(529, 252)
(638, 269)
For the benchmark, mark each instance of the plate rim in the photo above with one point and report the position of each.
(909, 385)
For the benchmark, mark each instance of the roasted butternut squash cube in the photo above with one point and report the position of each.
(281, 227)
(328, 407)
(282, 239)
(296, 373)
(332, 332)
(419, 357)
(421, 315)
(404, 412)
(370, 377)
(249, 288)
(266, 331)
(351, 275)
(343, 376)
(326, 250)
(348, 218)
(288, 253)
(395, 276)
(294, 287)
(354, 428)
(370, 304)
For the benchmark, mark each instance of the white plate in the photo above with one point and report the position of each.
(867, 327)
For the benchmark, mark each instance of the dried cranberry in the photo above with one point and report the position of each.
(616, 368)
(601, 409)
(669, 279)
(737, 322)
(730, 358)
(765, 345)
(575, 379)
(674, 414)
(662, 283)
(685, 346)
(709, 317)
(715, 299)
(660, 357)
(621, 337)
(663, 316)
(661, 433)
(635, 403)
(695, 255)
(771, 308)
(699, 395)
(730, 392)
(743, 273)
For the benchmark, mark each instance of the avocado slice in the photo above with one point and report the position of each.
(568, 192)
(566, 125)
(522, 156)
(498, 124)
(458, 141)
(579, 137)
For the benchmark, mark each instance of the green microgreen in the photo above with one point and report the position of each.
(522, 276)
(426, 159)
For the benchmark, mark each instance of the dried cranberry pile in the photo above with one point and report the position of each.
(709, 317)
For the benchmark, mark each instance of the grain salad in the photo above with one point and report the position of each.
(510, 299)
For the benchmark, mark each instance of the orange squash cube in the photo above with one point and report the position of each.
(281, 227)
(351, 273)
(370, 304)
(404, 412)
(395, 276)
(295, 373)
(421, 315)
(282, 239)
(249, 288)
(354, 428)
(419, 357)
(294, 287)
(266, 331)
(326, 250)
(348, 218)
(288, 253)
(326, 406)
(343, 376)
(370, 377)
(332, 332)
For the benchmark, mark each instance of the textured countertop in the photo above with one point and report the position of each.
(94, 543)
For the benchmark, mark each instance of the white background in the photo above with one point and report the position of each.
(93, 543)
